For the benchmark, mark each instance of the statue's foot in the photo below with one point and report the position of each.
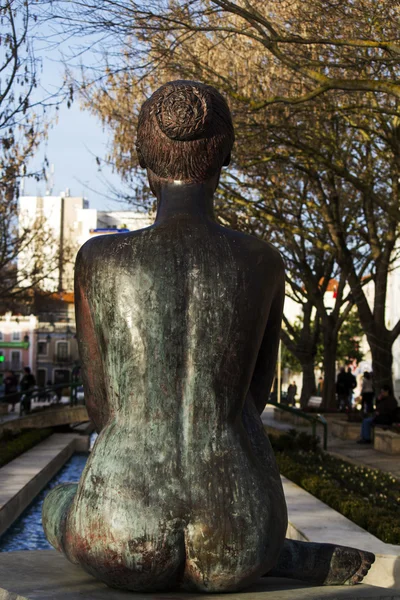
(322, 564)
(343, 569)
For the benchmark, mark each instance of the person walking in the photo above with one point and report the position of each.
(342, 390)
(27, 384)
(11, 389)
(367, 393)
(291, 394)
(351, 384)
(385, 414)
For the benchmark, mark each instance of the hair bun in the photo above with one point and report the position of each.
(183, 113)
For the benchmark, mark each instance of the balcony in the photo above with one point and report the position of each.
(62, 359)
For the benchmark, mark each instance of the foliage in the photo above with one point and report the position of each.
(289, 360)
(348, 348)
(12, 446)
(299, 49)
(349, 338)
(368, 497)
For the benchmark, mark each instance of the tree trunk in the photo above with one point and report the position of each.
(308, 388)
(329, 391)
(382, 359)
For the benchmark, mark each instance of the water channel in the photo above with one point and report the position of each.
(27, 531)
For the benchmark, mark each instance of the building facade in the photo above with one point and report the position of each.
(17, 343)
(47, 342)
(69, 222)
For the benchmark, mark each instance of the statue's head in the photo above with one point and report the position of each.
(185, 132)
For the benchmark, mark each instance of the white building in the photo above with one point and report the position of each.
(71, 223)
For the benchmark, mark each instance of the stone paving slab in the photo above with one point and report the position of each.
(46, 574)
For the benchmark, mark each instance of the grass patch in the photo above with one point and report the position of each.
(13, 445)
(368, 497)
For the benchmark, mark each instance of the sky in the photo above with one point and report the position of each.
(73, 143)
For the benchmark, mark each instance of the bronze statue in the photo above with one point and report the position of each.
(178, 328)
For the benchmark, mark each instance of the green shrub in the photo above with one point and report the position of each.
(368, 497)
(12, 446)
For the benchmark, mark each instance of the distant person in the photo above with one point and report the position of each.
(367, 393)
(27, 384)
(385, 414)
(342, 389)
(11, 388)
(291, 394)
(320, 386)
(351, 385)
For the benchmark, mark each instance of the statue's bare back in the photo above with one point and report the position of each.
(178, 330)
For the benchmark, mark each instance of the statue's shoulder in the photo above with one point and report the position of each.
(260, 250)
(96, 248)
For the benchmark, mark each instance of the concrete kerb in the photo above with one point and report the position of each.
(22, 479)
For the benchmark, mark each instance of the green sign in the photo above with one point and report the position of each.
(24, 345)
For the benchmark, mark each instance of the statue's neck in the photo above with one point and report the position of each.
(195, 200)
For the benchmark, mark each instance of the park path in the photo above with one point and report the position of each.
(363, 455)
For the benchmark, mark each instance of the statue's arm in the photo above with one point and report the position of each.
(264, 370)
(89, 351)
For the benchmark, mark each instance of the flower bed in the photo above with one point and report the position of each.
(12, 445)
(368, 497)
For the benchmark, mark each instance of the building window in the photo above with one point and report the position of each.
(1, 336)
(62, 350)
(15, 360)
(42, 348)
(16, 336)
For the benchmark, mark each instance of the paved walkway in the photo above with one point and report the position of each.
(346, 449)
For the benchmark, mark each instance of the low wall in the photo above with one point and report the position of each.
(22, 479)
(51, 417)
(386, 441)
(345, 430)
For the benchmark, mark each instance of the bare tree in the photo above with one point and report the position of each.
(308, 47)
(23, 126)
(313, 86)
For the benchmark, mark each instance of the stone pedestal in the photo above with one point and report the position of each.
(45, 575)
(345, 430)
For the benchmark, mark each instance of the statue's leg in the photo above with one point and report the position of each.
(322, 564)
(55, 512)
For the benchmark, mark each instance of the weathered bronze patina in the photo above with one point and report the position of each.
(178, 327)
